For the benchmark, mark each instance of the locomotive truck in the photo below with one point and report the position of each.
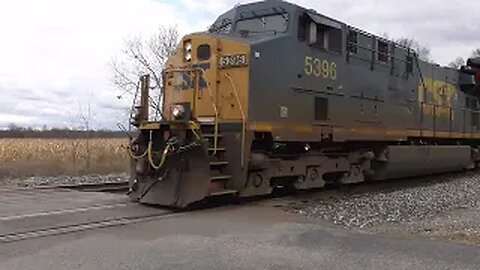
(276, 95)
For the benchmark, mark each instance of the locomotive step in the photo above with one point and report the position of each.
(218, 163)
(208, 123)
(219, 149)
(220, 178)
(223, 192)
(210, 135)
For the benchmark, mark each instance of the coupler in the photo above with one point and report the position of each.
(170, 166)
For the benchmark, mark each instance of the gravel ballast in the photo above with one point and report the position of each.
(403, 205)
(63, 180)
(447, 206)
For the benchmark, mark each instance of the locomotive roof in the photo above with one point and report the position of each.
(279, 6)
(474, 62)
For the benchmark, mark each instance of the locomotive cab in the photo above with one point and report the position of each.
(469, 79)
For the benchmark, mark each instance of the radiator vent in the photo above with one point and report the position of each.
(321, 109)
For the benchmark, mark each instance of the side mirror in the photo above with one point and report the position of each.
(466, 80)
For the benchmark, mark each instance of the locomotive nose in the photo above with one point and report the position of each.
(182, 158)
(203, 75)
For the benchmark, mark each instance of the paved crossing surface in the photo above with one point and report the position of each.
(32, 210)
(233, 237)
(26, 201)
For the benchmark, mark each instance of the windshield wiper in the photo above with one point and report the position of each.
(282, 13)
(219, 28)
(245, 33)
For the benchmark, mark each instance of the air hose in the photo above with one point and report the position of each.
(170, 145)
(162, 159)
(194, 127)
(132, 154)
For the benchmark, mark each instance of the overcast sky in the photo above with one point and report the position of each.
(55, 54)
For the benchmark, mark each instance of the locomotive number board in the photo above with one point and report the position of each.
(320, 68)
(236, 60)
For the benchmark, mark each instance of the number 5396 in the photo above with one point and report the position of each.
(320, 68)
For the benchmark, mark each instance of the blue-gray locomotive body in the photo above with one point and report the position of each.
(290, 97)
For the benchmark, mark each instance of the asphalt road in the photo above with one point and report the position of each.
(236, 237)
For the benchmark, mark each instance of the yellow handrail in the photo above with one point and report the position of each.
(243, 119)
(215, 109)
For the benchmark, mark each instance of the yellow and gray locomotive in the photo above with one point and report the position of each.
(276, 95)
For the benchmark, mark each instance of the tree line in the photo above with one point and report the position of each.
(16, 131)
(457, 63)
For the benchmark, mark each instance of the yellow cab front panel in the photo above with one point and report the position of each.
(210, 75)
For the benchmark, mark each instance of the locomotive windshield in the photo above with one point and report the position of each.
(270, 20)
(221, 26)
(261, 24)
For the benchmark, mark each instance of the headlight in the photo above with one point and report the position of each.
(187, 46)
(178, 111)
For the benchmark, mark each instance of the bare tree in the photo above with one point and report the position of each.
(475, 53)
(457, 63)
(15, 127)
(384, 35)
(145, 56)
(74, 142)
(422, 51)
(86, 117)
(80, 134)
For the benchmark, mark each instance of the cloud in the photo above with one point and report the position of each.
(55, 54)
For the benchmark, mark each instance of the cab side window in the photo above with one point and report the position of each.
(382, 49)
(352, 42)
(320, 32)
(303, 22)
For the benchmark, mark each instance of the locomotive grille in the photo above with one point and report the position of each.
(321, 109)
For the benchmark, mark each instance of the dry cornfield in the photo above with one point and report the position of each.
(24, 157)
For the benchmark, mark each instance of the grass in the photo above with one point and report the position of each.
(24, 157)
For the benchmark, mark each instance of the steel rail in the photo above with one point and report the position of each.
(80, 227)
(100, 187)
(61, 211)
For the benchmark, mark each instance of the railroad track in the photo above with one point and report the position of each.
(102, 187)
(79, 227)
(115, 222)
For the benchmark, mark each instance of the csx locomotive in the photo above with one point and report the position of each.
(275, 95)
